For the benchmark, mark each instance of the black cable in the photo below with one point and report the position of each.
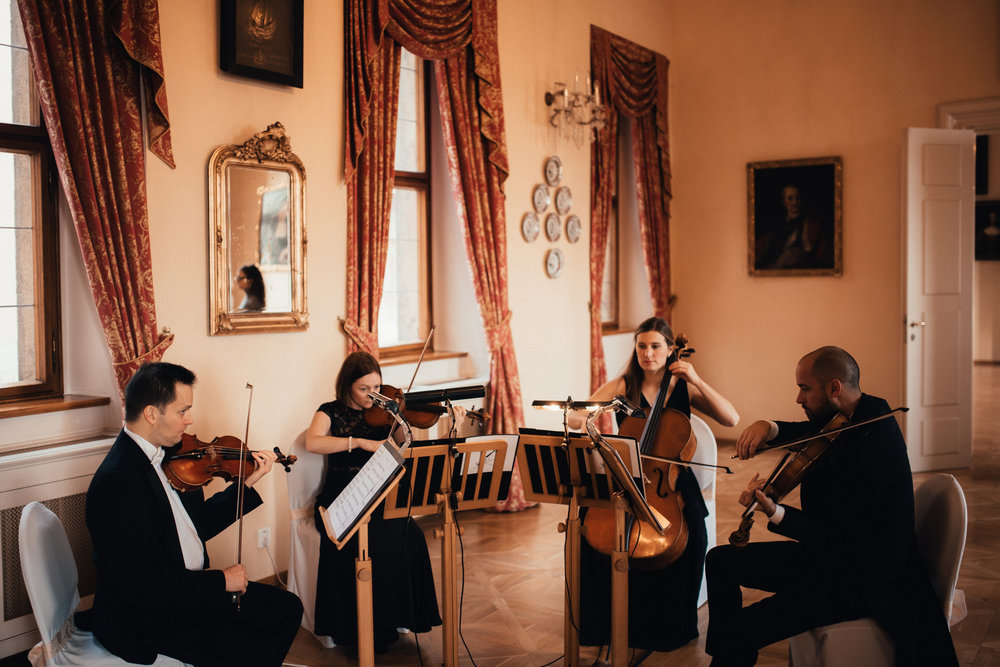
(461, 594)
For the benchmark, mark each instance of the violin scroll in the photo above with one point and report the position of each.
(285, 461)
(741, 536)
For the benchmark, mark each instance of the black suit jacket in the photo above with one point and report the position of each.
(141, 578)
(856, 524)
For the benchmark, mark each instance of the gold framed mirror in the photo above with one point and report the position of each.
(257, 236)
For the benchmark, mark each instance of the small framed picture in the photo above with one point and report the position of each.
(794, 210)
(988, 230)
(262, 39)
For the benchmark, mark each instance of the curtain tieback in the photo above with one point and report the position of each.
(595, 312)
(498, 336)
(166, 339)
(364, 339)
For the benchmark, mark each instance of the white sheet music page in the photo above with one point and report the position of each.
(345, 509)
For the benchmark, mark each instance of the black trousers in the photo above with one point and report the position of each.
(804, 597)
(259, 634)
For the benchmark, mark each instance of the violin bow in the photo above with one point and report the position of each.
(823, 434)
(414, 377)
(240, 479)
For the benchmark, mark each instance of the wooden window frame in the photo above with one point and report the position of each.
(33, 140)
(421, 181)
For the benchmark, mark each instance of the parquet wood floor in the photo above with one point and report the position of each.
(513, 587)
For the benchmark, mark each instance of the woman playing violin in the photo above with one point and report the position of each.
(403, 582)
(663, 611)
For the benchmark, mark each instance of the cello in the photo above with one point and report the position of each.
(665, 434)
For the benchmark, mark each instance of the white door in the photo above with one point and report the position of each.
(938, 214)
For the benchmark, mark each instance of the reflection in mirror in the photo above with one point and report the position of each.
(258, 233)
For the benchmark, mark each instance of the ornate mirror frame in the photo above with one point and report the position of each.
(270, 152)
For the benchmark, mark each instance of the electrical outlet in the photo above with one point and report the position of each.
(263, 538)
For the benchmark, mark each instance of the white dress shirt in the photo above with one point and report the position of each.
(191, 544)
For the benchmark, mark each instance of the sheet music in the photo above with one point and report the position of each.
(508, 463)
(347, 508)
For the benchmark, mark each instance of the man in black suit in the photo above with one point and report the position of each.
(155, 594)
(852, 552)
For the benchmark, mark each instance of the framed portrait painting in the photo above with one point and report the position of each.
(988, 230)
(262, 39)
(795, 217)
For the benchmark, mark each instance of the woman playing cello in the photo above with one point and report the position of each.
(663, 603)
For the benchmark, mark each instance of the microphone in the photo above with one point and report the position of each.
(441, 395)
(628, 406)
(384, 402)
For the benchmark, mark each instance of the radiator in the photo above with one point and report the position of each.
(57, 476)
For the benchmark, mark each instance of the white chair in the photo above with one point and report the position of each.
(50, 578)
(706, 452)
(304, 482)
(940, 523)
(941, 518)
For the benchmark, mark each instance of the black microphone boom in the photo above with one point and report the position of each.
(442, 395)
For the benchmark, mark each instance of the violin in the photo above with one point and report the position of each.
(791, 471)
(192, 464)
(665, 434)
(424, 415)
(788, 473)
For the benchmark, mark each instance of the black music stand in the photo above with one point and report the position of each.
(448, 476)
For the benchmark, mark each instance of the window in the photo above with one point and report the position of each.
(405, 312)
(30, 344)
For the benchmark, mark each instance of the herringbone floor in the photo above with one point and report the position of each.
(512, 611)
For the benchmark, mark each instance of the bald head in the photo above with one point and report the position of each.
(834, 363)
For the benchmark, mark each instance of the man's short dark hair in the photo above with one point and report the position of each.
(154, 384)
(834, 363)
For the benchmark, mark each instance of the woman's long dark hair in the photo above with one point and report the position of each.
(256, 288)
(633, 374)
(357, 364)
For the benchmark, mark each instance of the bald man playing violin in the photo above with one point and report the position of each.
(155, 593)
(851, 550)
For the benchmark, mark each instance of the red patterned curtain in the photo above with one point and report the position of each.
(635, 79)
(372, 98)
(460, 35)
(87, 59)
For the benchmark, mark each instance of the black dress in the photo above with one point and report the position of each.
(402, 579)
(663, 603)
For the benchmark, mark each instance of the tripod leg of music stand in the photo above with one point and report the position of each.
(619, 589)
(449, 587)
(571, 634)
(363, 575)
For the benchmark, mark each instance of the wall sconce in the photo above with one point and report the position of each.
(574, 111)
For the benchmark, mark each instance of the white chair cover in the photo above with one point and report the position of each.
(706, 452)
(50, 578)
(941, 519)
(940, 524)
(304, 482)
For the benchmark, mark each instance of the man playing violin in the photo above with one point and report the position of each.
(155, 593)
(852, 551)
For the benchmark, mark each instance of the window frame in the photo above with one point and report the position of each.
(33, 140)
(421, 181)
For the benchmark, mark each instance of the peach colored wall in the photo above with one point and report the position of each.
(783, 79)
(750, 81)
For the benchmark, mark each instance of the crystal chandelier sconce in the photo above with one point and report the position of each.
(574, 112)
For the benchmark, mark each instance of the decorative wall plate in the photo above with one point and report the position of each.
(564, 200)
(553, 227)
(554, 263)
(573, 228)
(530, 226)
(540, 198)
(553, 170)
